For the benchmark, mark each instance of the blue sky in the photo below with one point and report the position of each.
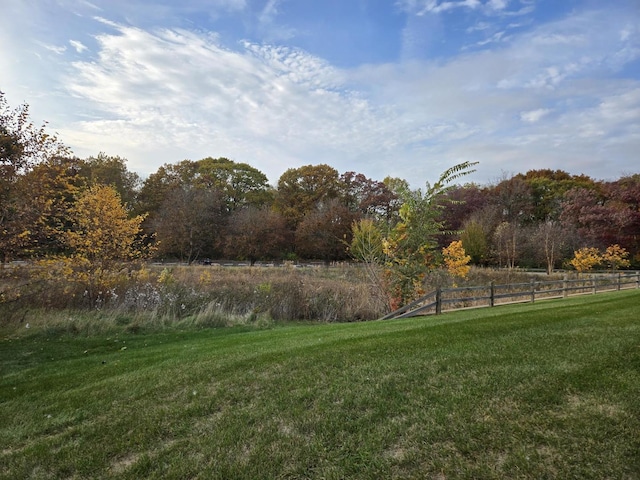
(403, 88)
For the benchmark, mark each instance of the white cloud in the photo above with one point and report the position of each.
(174, 87)
(495, 38)
(439, 7)
(58, 50)
(499, 103)
(270, 11)
(179, 94)
(489, 7)
(79, 47)
(533, 116)
(498, 4)
(546, 97)
(269, 27)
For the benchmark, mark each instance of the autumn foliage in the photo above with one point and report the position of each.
(614, 257)
(102, 240)
(585, 259)
(456, 260)
(85, 223)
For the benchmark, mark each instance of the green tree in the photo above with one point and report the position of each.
(216, 189)
(547, 189)
(474, 241)
(367, 249)
(112, 171)
(411, 245)
(240, 184)
(366, 243)
(300, 190)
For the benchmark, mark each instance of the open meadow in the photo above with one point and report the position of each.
(545, 390)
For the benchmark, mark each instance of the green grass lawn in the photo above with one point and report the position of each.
(549, 390)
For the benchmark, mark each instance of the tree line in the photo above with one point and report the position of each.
(217, 208)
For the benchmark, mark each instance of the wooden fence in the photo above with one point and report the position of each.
(449, 299)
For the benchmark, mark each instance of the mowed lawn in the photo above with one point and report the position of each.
(549, 390)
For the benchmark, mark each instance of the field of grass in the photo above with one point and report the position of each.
(549, 390)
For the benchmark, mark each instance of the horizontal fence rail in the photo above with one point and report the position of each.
(449, 299)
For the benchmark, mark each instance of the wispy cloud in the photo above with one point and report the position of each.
(422, 7)
(202, 95)
(533, 116)
(499, 103)
(269, 26)
(554, 95)
(57, 49)
(79, 46)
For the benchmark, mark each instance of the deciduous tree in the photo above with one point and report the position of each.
(239, 183)
(411, 245)
(585, 259)
(548, 187)
(22, 146)
(190, 224)
(102, 240)
(507, 242)
(256, 234)
(51, 189)
(325, 232)
(615, 257)
(474, 240)
(549, 240)
(367, 197)
(301, 190)
(112, 170)
(456, 259)
(102, 230)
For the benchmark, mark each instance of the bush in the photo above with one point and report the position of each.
(156, 296)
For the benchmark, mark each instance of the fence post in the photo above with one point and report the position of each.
(619, 279)
(594, 281)
(637, 279)
(492, 292)
(533, 291)
(565, 286)
(438, 301)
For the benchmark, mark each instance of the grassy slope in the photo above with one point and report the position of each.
(537, 391)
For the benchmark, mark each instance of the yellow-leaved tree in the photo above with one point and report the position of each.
(103, 233)
(616, 257)
(585, 259)
(456, 260)
(102, 240)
